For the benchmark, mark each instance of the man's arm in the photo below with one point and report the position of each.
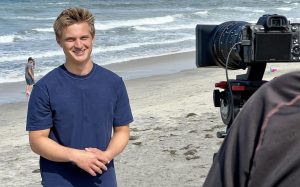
(117, 143)
(51, 150)
(30, 72)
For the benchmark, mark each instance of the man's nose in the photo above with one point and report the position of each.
(78, 43)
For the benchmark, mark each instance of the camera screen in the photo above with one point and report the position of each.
(272, 47)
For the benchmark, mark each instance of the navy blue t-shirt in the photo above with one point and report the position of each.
(81, 112)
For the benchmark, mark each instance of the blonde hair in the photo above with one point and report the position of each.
(71, 16)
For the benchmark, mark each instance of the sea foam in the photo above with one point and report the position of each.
(106, 25)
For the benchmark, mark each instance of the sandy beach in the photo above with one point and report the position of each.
(173, 137)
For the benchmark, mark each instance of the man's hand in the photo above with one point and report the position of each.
(91, 162)
(101, 154)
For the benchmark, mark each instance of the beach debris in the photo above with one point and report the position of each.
(192, 157)
(208, 136)
(173, 134)
(193, 131)
(273, 69)
(190, 115)
(133, 137)
(171, 151)
(186, 147)
(157, 128)
(36, 171)
(190, 152)
(134, 129)
(137, 143)
(162, 136)
(213, 128)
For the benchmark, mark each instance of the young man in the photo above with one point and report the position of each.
(78, 114)
(29, 75)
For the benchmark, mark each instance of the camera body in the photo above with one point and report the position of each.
(272, 39)
(242, 45)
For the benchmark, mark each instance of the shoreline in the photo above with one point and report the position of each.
(12, 92)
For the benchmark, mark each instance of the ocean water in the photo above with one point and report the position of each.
(125, 29)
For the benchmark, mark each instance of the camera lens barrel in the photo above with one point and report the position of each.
(226, 35)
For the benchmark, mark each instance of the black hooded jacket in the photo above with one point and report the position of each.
(262, 148)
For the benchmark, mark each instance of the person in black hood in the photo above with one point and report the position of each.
(261, 148)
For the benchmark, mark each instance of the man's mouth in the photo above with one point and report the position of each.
(79, 52)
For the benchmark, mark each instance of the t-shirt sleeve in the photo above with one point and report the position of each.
(122, 112)
(39, 116)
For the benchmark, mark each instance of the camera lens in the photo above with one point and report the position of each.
(226, 35)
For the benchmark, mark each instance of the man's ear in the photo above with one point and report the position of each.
(94, 39)
(58, 42)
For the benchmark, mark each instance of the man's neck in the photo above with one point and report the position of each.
(78, 68)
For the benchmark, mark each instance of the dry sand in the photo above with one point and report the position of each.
(173, 137)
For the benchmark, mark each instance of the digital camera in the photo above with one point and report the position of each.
(241, 45)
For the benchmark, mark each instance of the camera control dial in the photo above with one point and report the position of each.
(294, 28)
(296, 51)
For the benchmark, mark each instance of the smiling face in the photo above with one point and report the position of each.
(77, 43)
